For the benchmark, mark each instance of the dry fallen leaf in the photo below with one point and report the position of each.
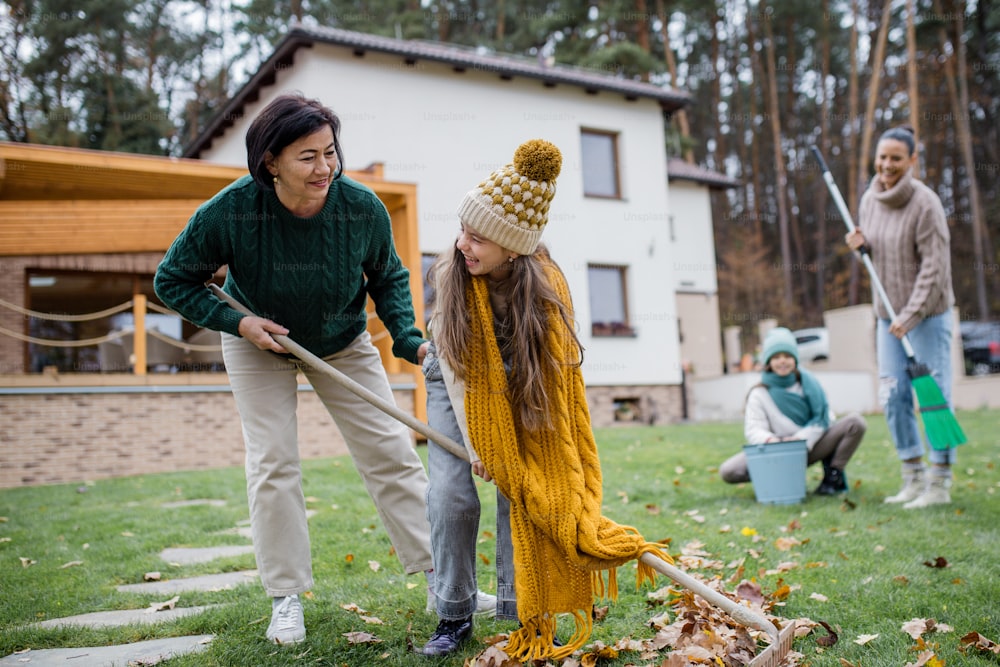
(72, 563)
(819, 597)
(977, 641)
(350, 606)
(362, 638)
(151, 576)
(864, 639)
(786, 543)
(374, 565)
(27, 562)
(827, 640)
(926, 659)
(937, 562)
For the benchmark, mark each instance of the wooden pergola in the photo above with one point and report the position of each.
(67, 201)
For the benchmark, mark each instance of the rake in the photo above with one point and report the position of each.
(781, 642)
(942, 428)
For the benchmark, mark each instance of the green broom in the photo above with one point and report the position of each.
(942, 429)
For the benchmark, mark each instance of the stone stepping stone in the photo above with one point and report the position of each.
(193, 555)
(150, 652)
(106, 619)
(208, 582)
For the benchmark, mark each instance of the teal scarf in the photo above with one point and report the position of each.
(809, 409)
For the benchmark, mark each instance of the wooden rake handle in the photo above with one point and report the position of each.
(347, 383)
(738, 612)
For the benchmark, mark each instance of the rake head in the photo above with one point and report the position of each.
(776, 652)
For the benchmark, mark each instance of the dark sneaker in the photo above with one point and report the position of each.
(448, 637)
(834, 482)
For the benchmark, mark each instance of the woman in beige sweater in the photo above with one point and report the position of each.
(903, 227)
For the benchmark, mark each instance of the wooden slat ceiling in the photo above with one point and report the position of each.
(66, 201)
(50, 173)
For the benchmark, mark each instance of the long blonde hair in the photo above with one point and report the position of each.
(527, 328)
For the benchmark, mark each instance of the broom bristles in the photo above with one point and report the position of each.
(942, 429)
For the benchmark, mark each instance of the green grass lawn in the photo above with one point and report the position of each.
(859, 565)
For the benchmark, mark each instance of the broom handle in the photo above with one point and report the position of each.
(739, 613)
(346, 382)
(845, 213)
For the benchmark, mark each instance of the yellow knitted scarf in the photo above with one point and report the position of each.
(552, 477)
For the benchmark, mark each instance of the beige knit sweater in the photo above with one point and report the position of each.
(905, 228)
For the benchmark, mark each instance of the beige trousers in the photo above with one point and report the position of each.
(265, 388)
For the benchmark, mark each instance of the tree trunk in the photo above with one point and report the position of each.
(681, 115)
(824, 138)
(878, 56)
(756, 173)
(781, 176)
(852, 165)
(911, 78)
(719, 159)
(960, 107)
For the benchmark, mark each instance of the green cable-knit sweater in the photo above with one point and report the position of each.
(310, 275)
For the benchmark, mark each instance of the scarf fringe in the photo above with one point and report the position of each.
(535, 640)
(609, 590)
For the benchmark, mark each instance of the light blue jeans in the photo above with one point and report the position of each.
(931, 341)
(453, 511)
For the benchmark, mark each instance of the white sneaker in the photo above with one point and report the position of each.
(287, 624)
(486, 604)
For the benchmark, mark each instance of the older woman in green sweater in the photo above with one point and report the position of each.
(305, 247)
(903, 227)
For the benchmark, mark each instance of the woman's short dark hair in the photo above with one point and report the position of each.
(902, 133)
(284, 121)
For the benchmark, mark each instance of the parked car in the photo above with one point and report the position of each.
(814, 344)
(980, 347)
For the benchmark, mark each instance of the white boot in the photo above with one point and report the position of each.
(937, 493)
(914, 484)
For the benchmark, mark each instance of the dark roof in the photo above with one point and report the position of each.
(679, 170)
(411, 51)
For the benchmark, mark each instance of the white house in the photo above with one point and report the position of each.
(695, 266)
(444, 117)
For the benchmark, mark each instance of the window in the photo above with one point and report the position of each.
(608, 310)
(84, 305)
(600, 164)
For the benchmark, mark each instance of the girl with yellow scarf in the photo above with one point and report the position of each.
(506, 351)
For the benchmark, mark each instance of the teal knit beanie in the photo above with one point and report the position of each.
(777, 340)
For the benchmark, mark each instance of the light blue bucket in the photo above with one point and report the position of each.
(778, 471)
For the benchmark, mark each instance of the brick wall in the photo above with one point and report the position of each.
(55, 438)
(52, 438)
(637, 404)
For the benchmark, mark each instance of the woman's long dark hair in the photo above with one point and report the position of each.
(284, 121)
(527, 328)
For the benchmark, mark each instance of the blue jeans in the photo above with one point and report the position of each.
(931, 341)
(453, 512)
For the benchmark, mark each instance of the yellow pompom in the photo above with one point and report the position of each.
(538, 159)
